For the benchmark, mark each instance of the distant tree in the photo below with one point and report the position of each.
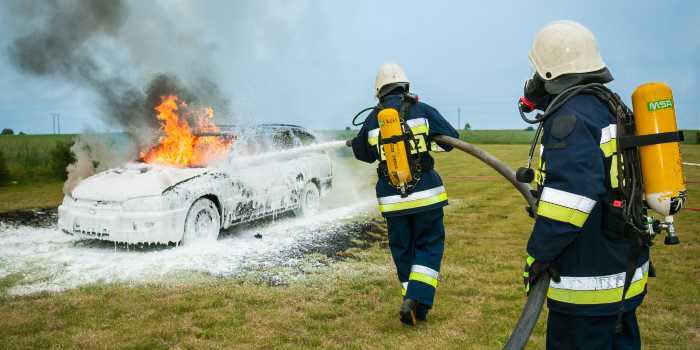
(21, 133)
(7, 131)
(4, 171)
(529, 128)
(467, 126)
(347, 128)
(60, 156)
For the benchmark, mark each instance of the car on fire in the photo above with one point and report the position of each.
(150, 203)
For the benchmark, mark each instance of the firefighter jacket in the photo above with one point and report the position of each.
(425, 122)
(574, 229)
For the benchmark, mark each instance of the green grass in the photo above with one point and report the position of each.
(28, 156)
(353, 304)
(503, 137)
(31, 195)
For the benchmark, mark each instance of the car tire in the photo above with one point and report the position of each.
(203, 222)
(309, 200)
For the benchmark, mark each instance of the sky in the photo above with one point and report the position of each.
(313, 63)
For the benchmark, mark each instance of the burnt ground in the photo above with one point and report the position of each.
(39, 217)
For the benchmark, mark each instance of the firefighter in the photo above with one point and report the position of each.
(414, 218)
(577, 235)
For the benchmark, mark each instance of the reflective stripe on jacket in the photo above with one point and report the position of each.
(425, 122)
(577, 173)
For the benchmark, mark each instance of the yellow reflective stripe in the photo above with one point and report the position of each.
(421, 145)
(591, 297)
(384, 208)
(540, 172)
(561, 213)
(420, 129)
(613, 172)
(609, 148)
(421, 277)
(530, 260)
(373, 137)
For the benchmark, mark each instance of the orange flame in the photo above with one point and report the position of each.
(178, 146)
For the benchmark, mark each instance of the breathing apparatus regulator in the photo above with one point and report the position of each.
(402, 167)
(650, 172)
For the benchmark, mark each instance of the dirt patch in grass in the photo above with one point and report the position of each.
(39, 217)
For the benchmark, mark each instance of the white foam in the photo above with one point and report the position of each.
(49, 260)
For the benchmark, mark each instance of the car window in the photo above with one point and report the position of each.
(305, 137)
(285, 139)
(264, 139)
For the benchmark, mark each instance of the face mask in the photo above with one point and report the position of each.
(535, 92)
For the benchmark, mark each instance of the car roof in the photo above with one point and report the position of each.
(263, 129)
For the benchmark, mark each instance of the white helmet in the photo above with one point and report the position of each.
(389, 73)
(565, 47)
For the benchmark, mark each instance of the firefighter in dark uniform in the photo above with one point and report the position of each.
(414, 220)
(574, 237)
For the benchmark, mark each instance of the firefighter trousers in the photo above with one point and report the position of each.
(417, 242)
(570, 332)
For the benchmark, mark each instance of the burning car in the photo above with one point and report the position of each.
(170, 196)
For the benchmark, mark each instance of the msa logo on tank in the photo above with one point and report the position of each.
(660, 104)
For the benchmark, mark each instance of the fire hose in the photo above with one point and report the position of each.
(538, 292)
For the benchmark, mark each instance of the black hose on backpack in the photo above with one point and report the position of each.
(538, 292)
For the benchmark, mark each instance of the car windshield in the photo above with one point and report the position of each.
(264, 139)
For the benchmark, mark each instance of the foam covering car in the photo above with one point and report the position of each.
(149, 203)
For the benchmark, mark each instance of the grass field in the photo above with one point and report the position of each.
(353, 304)
(28, 157)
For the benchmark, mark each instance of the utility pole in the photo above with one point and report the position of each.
(459, 117)
(55, 122)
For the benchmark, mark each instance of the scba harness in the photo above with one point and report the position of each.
(625, 207)
(403, 157)
(402, 144)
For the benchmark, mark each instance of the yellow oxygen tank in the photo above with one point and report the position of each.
(394, 150)
(662, 168)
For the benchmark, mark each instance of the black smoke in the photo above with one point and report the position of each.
(81, 42)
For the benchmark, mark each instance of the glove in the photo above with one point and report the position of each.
(348, 142)
(534, 269)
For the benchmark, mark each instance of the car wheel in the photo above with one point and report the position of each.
(203, 222)
(309, 200)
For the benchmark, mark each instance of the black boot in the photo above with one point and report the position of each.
(408, 312)
(422, 312)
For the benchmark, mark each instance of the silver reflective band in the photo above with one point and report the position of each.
(412, 123)
(567, 199)
(599, 282)
(404, 285)
(412, 197)
(608, 133)
(424, 270)
(373, 137)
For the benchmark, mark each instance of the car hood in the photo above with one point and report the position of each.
(132, 180)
